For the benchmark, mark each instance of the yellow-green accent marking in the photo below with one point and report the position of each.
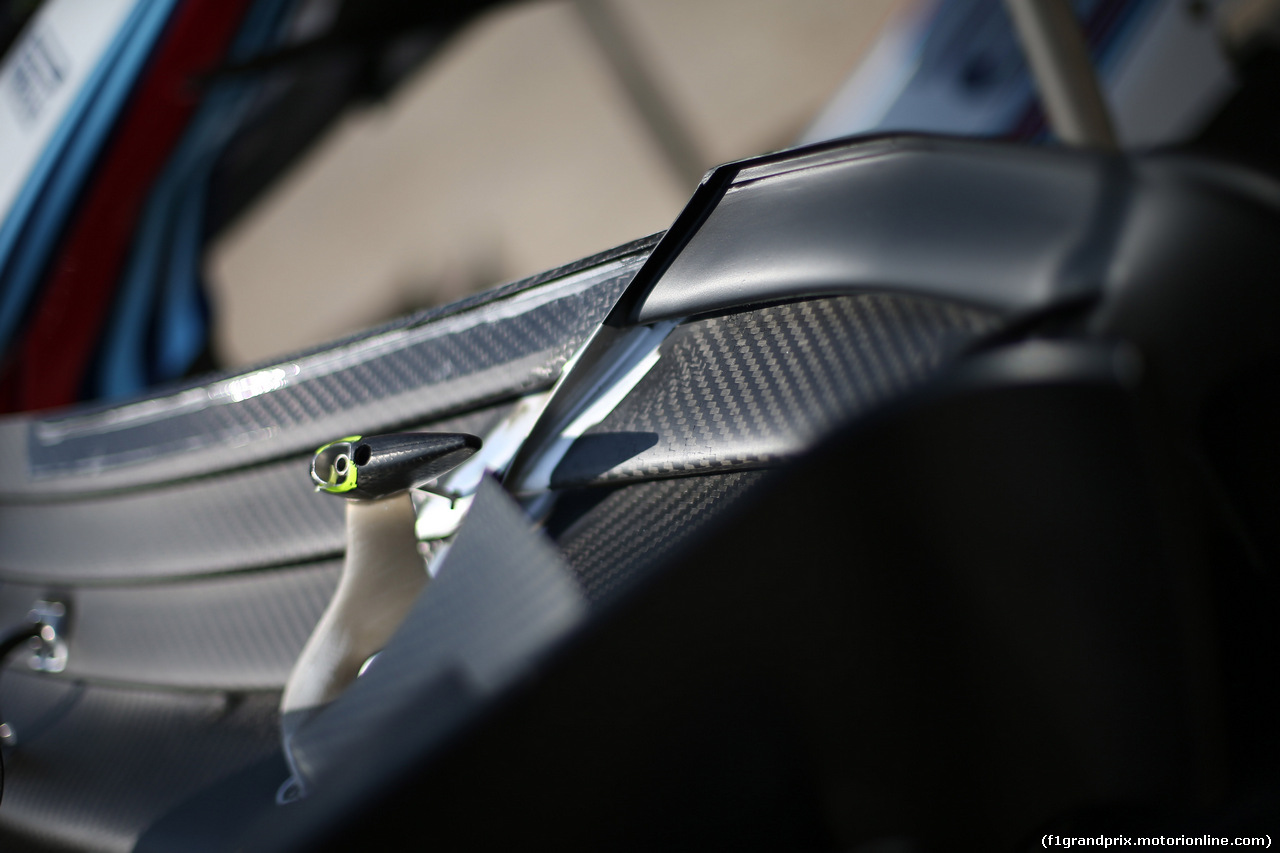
(332, 486)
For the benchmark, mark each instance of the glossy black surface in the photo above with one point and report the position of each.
(387, 464)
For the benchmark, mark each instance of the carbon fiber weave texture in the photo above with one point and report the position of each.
(129, 756)
(236, 631)
(758, 387)
(264, 516)
(641, 525)
(751, 389)
(494, 350)
(259, 517)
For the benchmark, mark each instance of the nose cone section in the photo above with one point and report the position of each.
(381, 465)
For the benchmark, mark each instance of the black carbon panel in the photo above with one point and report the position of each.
(747, 390)
(500, 348)
(235, 631)
(98, 765)
(263, 516)
(642, 525)
(259, 517)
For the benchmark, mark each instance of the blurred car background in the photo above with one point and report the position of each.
(258, 178)
(519, 147)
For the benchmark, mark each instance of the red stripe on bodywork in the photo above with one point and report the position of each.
(68, 321)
